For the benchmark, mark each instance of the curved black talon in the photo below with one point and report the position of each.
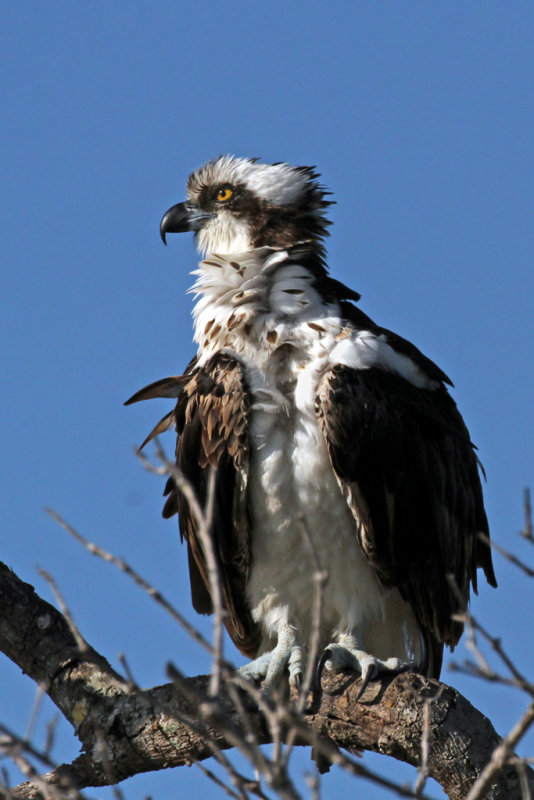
(325, 655)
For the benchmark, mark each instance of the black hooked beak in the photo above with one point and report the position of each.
(182, 217)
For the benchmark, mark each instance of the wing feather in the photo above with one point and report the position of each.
(211, 424)
(404, 460)
(166, 387)
(211, 420)
(163, 425)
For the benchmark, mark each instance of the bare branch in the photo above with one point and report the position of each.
(152, 729)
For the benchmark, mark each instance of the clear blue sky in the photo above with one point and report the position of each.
(420, 118)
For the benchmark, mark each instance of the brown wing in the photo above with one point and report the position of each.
(211, 418)
(408, 469)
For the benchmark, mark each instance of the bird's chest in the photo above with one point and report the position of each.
(269, 315)
(288, 456)
(294, 495)
(286, 336)
(300, 518)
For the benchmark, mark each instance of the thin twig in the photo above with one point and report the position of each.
(245, 717)
(314, 782)
(215, 580)
(203, 520)
(132, 683)
(320, 579)
(11, 740)
(509, 556)
(218, 782)
(5, 786)
(501, 755)
(521, 768)
(37, 703)
(527, 531)
(51, 728)
(424, 770)
(496, 645)
(212, 713)
(80, 641)
(121, 564)
(14, 746)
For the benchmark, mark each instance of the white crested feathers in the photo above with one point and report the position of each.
(279, 184)
(264, 188)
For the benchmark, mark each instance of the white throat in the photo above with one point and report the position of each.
(225, 234)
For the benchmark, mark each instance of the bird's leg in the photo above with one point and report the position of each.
(346, 653)
(286, 655)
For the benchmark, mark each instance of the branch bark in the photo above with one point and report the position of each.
(125, 731)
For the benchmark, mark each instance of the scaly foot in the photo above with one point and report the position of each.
(271, 666)
(345, 654)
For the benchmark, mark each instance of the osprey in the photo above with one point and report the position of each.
(331, 441)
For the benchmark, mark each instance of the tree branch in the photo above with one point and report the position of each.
(125, 730)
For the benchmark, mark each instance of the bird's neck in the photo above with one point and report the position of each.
(253, 301)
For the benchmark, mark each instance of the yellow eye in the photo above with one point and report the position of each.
(224, 194)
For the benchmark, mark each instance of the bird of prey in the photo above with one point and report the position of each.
(331, 442)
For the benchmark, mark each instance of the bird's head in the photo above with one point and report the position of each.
(236, 204)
